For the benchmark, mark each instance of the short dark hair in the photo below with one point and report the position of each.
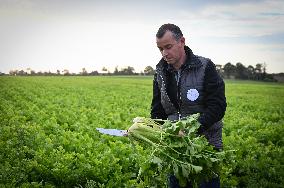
(169, 27)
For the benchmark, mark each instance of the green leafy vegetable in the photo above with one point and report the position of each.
(188, 156)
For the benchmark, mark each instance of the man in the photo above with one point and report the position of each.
(186, 84)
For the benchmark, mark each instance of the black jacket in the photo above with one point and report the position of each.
(214, 99)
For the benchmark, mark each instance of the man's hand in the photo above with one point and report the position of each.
(126, 134)
(181, 133)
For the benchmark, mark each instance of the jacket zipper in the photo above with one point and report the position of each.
(179, 93)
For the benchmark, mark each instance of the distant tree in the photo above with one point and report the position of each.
(39, 73)
(13, 72)
(264, 70)
(104, 69)
(116, 72)
(264, 67)
(229, 70)
(58, 72)
(29, 70)
(127, 71)
(33, 72)
(93, 73)
(279, 77)
(66, 72)
(149, 70)
(258, 68)
(22, 73)
(45, 73)
(258, 71)
(84, 72)
(250, 72)
(241, 72)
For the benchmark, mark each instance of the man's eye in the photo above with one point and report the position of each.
(169, 47)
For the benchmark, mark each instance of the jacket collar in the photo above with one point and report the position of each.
(191, 62)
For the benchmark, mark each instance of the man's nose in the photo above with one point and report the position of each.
(164, 53)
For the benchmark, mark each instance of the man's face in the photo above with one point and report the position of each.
(171, 49)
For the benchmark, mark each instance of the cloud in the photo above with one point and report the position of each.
(243, 19)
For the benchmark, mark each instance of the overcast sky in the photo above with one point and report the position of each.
(73, 34)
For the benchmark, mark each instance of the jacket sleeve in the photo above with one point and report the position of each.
(215, 100)
(157, 110)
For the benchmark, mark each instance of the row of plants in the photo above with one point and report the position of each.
(48, 134)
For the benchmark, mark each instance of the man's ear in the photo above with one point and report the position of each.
(182, 40)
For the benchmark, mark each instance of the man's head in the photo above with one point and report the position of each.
(170, 42)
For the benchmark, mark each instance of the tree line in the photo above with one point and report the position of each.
(228, 71)
(239, 71)
(122, 71)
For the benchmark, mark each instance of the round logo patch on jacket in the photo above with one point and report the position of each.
(192, 94)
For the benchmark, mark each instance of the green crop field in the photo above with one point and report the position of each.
(48, 136)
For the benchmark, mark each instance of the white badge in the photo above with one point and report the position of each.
(192, 94)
